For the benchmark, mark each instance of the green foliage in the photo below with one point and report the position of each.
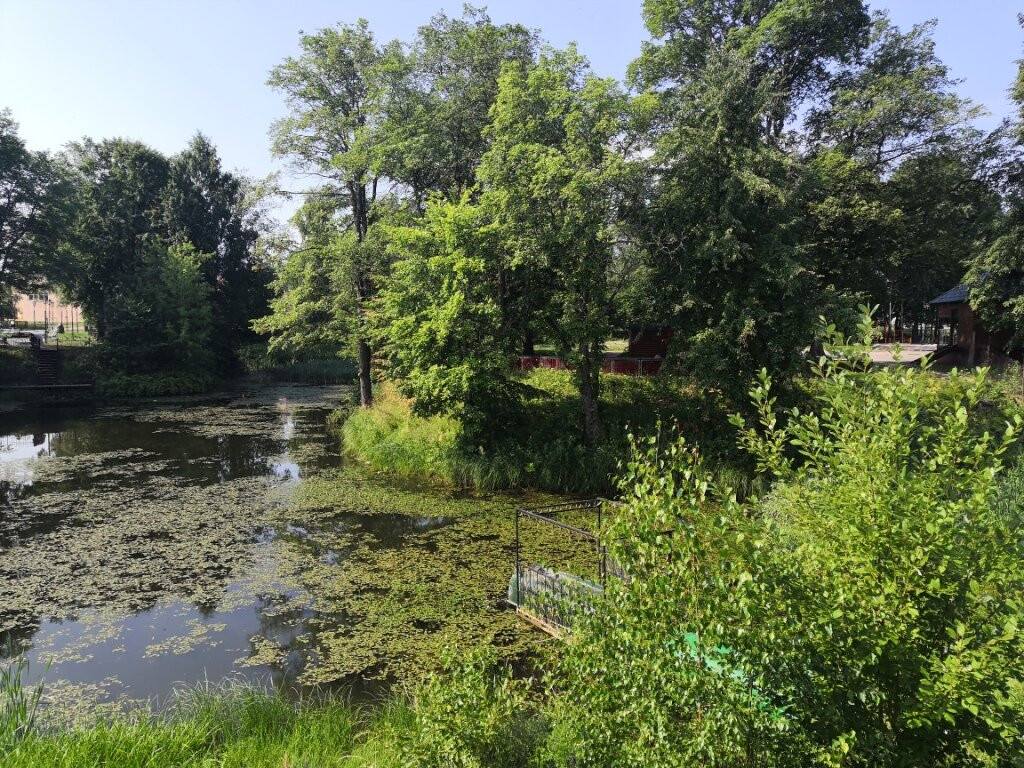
(475, 715)
(340, 371)
(433, 135)
(161, 321)
(881, 194)
(17, 366)
(852, 226)
(311, 308)
(117, 206)
(309, 368)
(898, 188)
(996, 280)
(442, 320)
(553, 179)
(724, 227)
(996, 274)
(337, 91)
(790, 44)
(898, 102)
(537, 451)
(228, 725)
(35, 194)
(212, 210)
(153, 384)
(142, 221)
(471, 280)
(864, 612)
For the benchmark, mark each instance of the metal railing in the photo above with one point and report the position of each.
(553, 598)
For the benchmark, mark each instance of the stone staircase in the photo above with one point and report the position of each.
(47, 367)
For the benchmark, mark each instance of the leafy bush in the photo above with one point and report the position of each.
(476, 715)
(154, 384)
(864, 612)
(17, 366)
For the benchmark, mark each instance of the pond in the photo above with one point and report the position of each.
(190, 540)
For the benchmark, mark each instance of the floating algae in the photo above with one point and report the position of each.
(211, 537)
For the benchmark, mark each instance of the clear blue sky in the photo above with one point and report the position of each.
(159, 70)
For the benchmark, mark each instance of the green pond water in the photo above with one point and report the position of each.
(161, 544)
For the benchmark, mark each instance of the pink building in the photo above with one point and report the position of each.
(45, 309)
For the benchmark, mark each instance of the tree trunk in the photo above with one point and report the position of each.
(528, 347)
(593, 428)
(365, 385)
(363, 287)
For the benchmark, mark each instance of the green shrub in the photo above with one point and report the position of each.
(331, 371)
(475, 715)
(313, 367)
(17, 366)
(154, 384)
(865, 612)
(80, 364)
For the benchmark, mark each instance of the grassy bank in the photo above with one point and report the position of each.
(17, 367)
(477, 714)
(544, 449)
(228, 726)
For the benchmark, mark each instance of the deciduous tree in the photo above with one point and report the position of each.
(337, 91)
(35, 192)
(553, 180)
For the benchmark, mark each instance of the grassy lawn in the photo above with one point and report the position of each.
(78, 339)
(614, 346)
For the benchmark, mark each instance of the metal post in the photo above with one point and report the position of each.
(519, 586)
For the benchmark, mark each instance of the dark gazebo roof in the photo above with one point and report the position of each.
(956, 295)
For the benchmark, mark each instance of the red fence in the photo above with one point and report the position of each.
(625, 366)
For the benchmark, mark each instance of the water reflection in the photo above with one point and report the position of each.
(175, 577)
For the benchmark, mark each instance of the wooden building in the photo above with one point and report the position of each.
(646, 349)
(649, 341)
(961, 336)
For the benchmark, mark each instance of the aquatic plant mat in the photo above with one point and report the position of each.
(205, 538)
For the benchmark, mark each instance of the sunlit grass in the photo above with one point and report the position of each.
(230, 725)
(544, 450)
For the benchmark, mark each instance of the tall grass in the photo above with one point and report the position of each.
(230, 725)
(19, 704)
(390, 437)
